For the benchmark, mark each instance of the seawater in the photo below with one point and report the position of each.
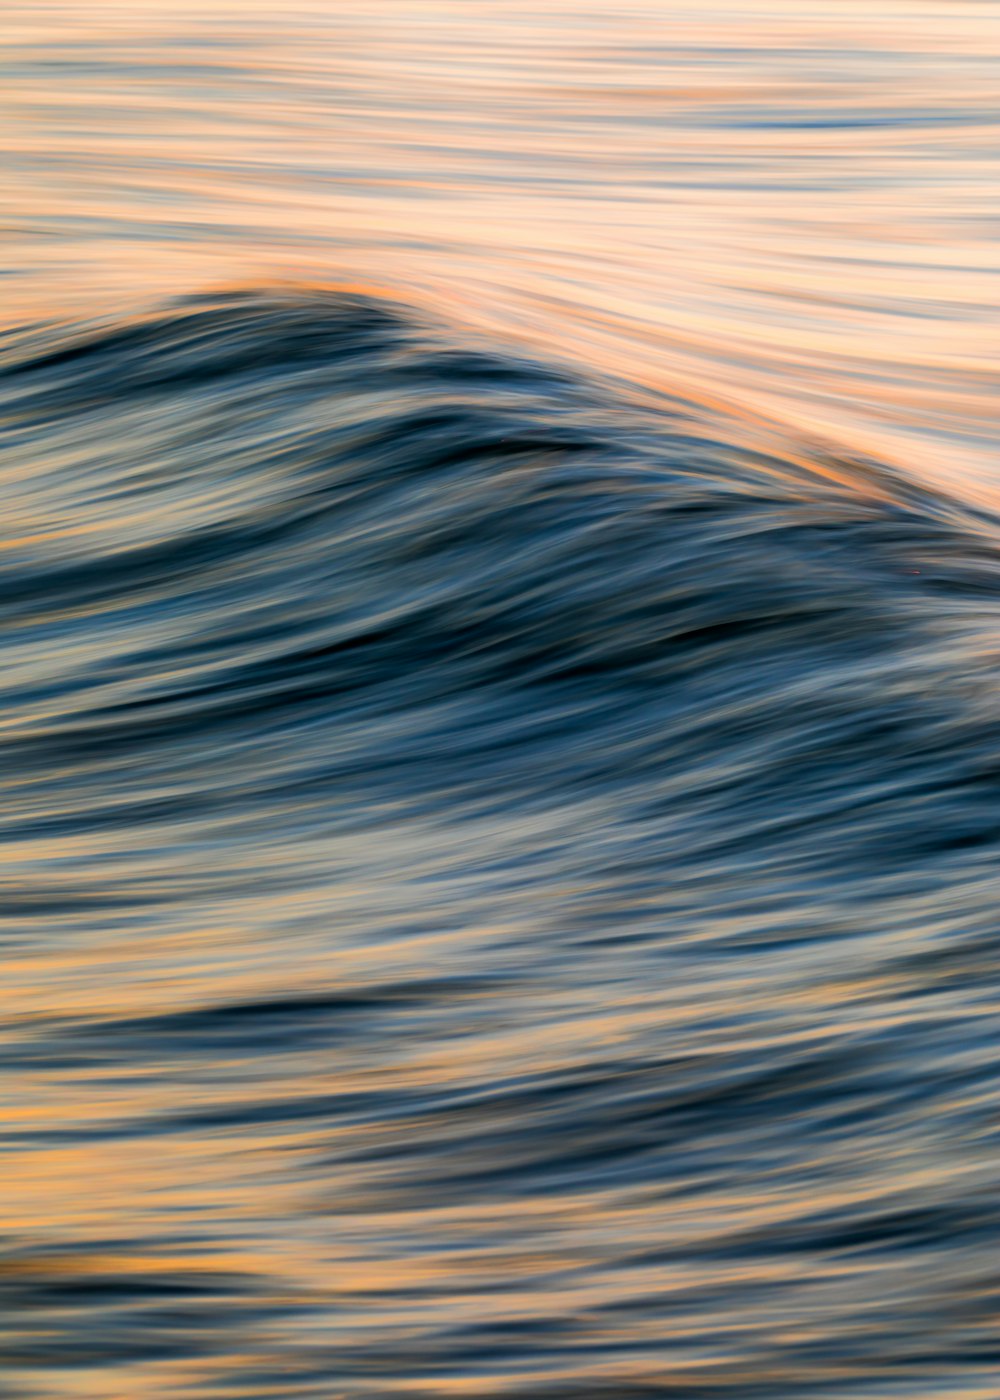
(499, 727)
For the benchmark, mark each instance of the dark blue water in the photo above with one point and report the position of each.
(501, 889)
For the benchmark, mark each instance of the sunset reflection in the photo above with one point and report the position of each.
(498, 746)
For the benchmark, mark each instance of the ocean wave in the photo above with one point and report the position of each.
(503, 893)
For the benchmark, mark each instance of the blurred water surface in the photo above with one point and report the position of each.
(776, 200)
(499, 727)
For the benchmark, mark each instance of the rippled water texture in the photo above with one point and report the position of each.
(499, 725)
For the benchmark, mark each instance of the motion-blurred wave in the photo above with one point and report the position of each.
(503, 881)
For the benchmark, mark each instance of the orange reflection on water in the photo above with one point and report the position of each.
(789, 203)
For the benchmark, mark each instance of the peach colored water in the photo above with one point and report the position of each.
(792, 204)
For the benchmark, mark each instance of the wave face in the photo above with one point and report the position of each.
(503, 882)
